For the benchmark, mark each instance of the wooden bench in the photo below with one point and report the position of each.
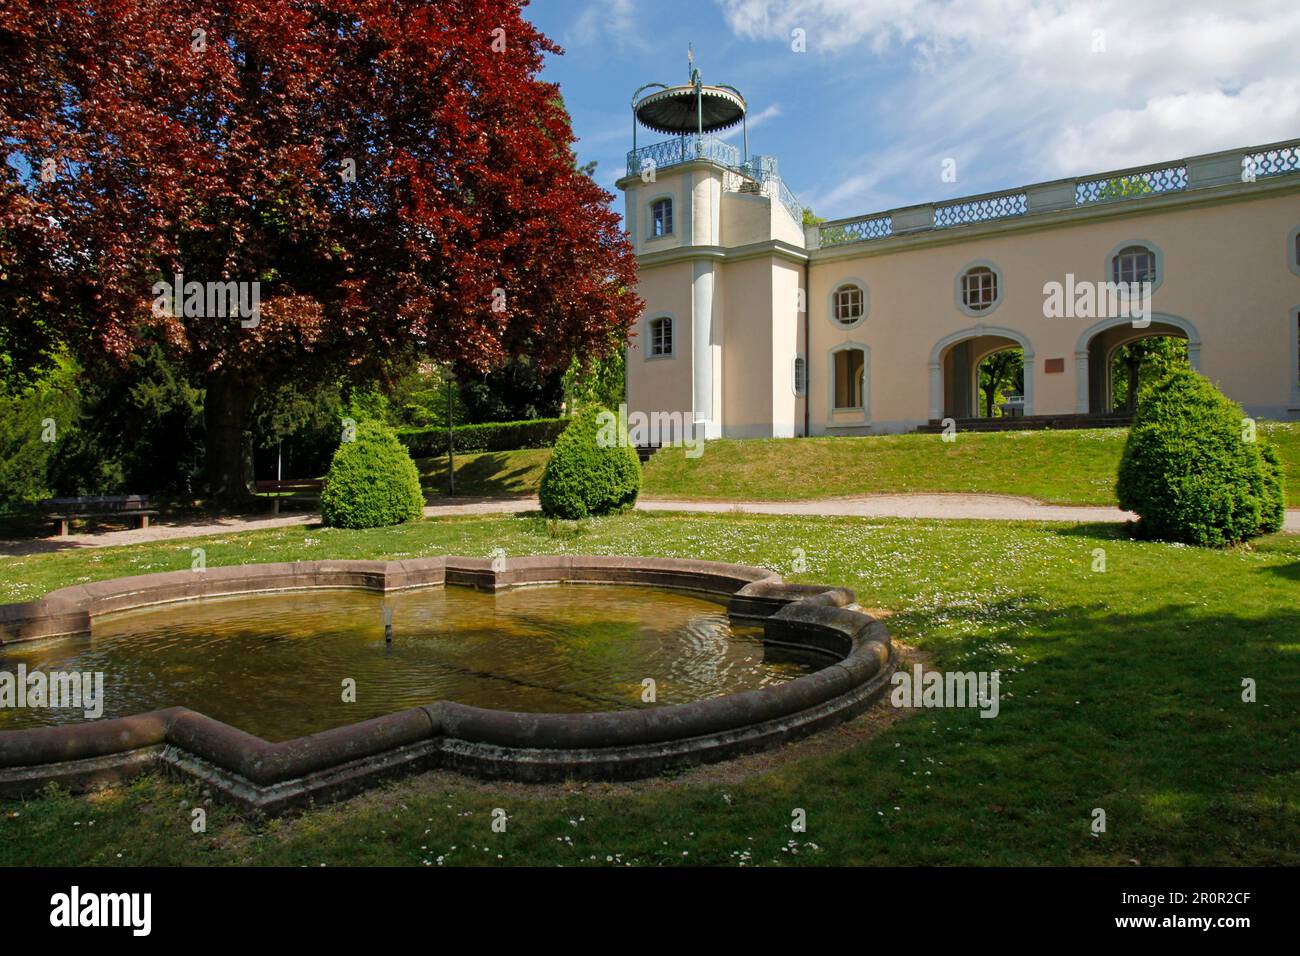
(67, 510)
(292, 486)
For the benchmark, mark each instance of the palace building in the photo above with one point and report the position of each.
(755, 326)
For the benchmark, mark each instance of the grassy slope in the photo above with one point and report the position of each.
(1121, 690)
(491, 473)
(1062, 467)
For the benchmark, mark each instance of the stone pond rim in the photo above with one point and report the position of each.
(813, 620)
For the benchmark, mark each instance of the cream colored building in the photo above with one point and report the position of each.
(757, 327)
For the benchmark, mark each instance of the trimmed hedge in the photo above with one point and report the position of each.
(372, 482)
(1189, 474)
(594, 469)
(489, 436)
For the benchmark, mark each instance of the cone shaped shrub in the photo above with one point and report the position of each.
(593, 469)
(372, 482)
(1190, 473)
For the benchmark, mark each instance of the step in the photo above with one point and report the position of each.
(1030, 423)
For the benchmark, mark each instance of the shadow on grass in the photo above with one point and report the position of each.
(1289, 571)
(488, 475)
(1138, 713)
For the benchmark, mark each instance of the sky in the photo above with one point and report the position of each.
(886, 91)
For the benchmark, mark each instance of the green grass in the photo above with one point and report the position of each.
(1058, 467)
(1121, 690)
(489, 473)
(1075, 467)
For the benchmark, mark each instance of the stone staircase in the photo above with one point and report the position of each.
(1031, 423)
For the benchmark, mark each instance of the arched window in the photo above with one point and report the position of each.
(1293, 250)
(979, 288)
(799, 373)
(849, 304)
(661, 218)
(661, 336)
(850, 368)
(1133, 264)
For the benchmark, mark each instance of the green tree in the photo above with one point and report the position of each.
(1139, 363)
(999, 372)
(36, 419)
(598, 382)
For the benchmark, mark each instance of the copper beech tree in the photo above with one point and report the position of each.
(393, 177)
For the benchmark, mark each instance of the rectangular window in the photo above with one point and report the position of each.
(661, 337)
(1135, 265)
(981, 288)
(662, 213)
(848, 304)
(848, 378)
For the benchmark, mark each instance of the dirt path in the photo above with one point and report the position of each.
(938, 506)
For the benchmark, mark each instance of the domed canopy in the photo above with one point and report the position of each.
(690, 108)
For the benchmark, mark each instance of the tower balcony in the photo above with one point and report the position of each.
(757, 175)
(683, 149)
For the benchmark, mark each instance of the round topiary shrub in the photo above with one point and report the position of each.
(372, 482)
(1188, 471)
(1274, 490)
(593, 469)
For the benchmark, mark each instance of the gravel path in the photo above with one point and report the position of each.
(980, 507)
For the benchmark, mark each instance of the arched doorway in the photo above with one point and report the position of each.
(1098, 346)
(955, 363)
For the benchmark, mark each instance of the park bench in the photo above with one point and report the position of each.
(294, 487)
(67, 510)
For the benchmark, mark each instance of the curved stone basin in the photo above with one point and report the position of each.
(852, 650)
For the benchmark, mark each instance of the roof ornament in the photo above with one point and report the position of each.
(689, 108)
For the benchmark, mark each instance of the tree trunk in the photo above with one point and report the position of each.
(1130, 400)
(226, 409)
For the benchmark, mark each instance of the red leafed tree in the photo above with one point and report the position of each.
(392, 173)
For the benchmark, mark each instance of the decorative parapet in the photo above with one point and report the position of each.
(1274, 160)
(999, 206)
(1111, 187)
(1198, 172)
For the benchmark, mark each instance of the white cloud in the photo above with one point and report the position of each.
(753, 121)
(603, 21)
(1014, 88)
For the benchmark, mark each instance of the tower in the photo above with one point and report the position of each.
(720, 327)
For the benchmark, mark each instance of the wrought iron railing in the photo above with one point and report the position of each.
(682, 149)
(686, 149)
(764, 170)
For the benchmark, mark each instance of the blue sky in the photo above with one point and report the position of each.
(1015, 91)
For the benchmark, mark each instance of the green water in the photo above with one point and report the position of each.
(275, 665)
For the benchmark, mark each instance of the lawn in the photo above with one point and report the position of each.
(487, 474)
(1121, 690)
(1074, 467)
(1058, 467)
